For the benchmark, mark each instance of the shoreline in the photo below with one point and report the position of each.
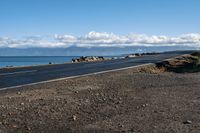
(70, 62)
(39, 65)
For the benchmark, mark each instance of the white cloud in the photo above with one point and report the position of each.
(101, 39)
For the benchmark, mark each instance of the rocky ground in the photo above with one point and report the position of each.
(146, 100)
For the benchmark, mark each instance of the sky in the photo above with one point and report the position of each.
(101, 23)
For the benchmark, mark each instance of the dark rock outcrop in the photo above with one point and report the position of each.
(88, 59)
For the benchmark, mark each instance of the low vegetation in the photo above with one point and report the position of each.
(183, 64)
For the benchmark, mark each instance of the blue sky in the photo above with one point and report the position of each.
(77, 17)
(63, 23)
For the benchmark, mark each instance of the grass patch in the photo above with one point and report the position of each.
(184, 64)
(152, 69)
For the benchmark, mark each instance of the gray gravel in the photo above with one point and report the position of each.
(124, 101)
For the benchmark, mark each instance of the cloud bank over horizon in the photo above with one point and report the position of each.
(101, 39)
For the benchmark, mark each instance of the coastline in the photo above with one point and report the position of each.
(47, 64)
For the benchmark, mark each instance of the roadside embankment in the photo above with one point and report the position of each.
(182, 64)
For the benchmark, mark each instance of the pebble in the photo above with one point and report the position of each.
(74, 117)
(119, 102)
(28, 128)
(145, 105)
(121, 125)
(187, 122)
(41, 99)
(14, 126)
(87, 100)
(9, 97)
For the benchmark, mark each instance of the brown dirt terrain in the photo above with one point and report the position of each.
(146, 100)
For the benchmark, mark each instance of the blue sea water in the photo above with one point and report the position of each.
(33, 60)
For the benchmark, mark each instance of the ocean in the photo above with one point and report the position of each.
(7, 61)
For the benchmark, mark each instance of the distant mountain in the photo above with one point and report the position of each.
(82, 51)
